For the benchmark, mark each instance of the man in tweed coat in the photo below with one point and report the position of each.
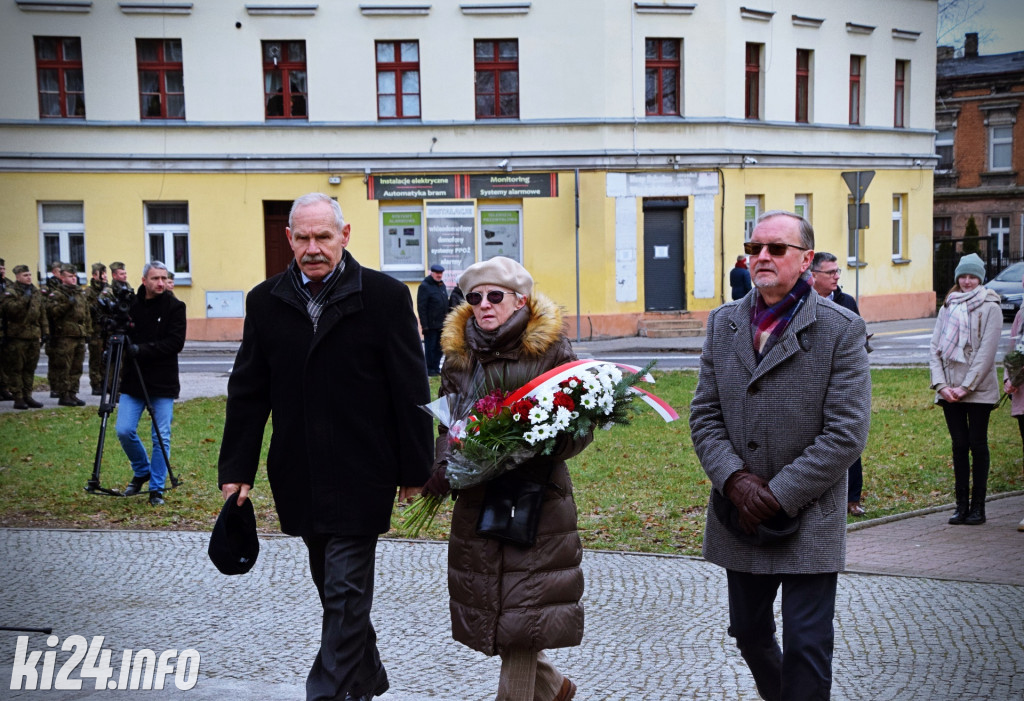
(781, 410)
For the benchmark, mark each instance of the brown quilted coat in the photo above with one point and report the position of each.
(505, 597)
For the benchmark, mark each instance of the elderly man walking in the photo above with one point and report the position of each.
(332, 350)
(781, 410)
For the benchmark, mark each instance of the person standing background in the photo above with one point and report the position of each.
(157, 336)
(331, 349)
(739, 278)
(70, 326)
(963, 375)
(24, 310)
(1017, 402)
(97, 289)
(825, 274)
(6, 377)
(432, 306)
(781, 357)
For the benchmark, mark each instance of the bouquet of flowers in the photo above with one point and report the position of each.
(501, 429)
(1013, 364)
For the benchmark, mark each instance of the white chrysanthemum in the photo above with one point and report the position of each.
(573, 383)
(606, 403)
(546, 399)
(543, 432)
(588, 401)
(537, 415)
(562, 418)
(531, 437)
(591, 383)
(567, 390)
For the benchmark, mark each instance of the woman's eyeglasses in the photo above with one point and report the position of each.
(494, 297)
(752, 248)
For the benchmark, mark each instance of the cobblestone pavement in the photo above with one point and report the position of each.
(655, 625)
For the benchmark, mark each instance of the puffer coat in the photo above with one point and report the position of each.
(505, 597)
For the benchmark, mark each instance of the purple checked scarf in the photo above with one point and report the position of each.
(767, 324)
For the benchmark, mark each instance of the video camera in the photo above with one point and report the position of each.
(116, 308)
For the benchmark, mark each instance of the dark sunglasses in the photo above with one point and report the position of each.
(494, 297)
(752, 248)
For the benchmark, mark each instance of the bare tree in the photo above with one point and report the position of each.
(956, 18)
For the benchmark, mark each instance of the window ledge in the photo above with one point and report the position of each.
(900, 261)
(851, 263)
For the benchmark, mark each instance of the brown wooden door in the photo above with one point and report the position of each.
(275, 221)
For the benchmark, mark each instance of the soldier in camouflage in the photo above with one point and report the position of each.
(97, 290)
(24, 308)
(53, 284)
(118, 276)
(5, 378)
(70, 326)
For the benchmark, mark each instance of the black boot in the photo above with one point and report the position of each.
(960, 515)
(135, 486)
(764, 658)
(976, 516)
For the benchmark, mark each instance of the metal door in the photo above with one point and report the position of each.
(664, 263)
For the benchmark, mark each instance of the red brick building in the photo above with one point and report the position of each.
(980, 145)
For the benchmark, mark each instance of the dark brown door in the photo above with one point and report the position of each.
(275, 221)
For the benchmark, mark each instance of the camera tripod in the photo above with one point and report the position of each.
(114, 356)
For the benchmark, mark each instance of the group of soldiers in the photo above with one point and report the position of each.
(64, 318)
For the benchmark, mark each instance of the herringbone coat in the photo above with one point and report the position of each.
(798, 419)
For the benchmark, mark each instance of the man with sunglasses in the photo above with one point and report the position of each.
(781, 410)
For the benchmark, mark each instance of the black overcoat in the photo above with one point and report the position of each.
(347, 427)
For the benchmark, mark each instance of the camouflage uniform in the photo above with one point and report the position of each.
(96, 290)
(53, 284)
(5, 370)
(24, 307)
(70, 326)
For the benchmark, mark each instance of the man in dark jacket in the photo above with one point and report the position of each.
(332, 350)
(432, 305)
(158, 335)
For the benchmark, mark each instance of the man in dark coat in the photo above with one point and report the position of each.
(332, 350)
(781, 357)
(739, 278)
(432, 306)
(157, 336)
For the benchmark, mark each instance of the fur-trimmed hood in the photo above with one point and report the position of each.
(543, 330)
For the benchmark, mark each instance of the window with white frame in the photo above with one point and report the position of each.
(167, 238)
(1000, 228)
(1000, 147)
(62, 234)
(898, 226)
(753, 205)
(802, 206)
(944, 149)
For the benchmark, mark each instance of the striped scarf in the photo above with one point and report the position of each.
(768, 323)
(955, 322)
(315, 304)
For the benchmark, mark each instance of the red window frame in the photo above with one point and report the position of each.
(856, 69)
(899, 95)
(496, 83)
(401, 68)
(663, 74)
(166, 69)
(803, 85)
(752, 84)
(289, 99)
(67, 69)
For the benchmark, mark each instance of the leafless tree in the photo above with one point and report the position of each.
(956, 18)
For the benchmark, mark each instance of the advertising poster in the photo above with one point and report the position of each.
(401, 239)
(450, 237)
(501, 233)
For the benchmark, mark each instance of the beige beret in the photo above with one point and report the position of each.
(500, 271)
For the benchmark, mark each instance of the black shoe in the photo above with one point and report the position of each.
(5, 395)
(156, 498)
(20, 404)
(135, 486)
(54, 394)
(67, 400)
(76, 400)
(381, 685)
(97, 392)
(33, 404)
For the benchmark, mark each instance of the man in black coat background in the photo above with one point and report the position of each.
(432, 306)
(331, 349)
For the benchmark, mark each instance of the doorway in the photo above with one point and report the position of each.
(275, 244)
(664, 255)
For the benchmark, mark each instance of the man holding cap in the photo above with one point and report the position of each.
(432, 305)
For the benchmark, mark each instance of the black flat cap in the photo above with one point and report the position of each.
(234, 545)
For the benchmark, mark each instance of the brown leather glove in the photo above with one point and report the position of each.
(437, 485)
(753, 499)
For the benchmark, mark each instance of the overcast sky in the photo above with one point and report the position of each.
(1000, 26)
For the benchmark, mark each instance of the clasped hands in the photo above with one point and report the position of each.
(753, 499)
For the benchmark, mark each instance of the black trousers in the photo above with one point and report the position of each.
(968, 430)
(348, 661)
(856, 481)
(432, 350)
(802, 669)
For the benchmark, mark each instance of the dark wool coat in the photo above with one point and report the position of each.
(432, 303)
(347, 427)
(846, 301)
(797, 419)
(158, 330)
(505, 597)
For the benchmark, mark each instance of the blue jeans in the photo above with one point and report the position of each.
(129, 411)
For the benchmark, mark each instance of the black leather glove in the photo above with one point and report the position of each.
(437, 485)
(753, 499)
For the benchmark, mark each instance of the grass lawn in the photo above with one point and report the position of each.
(638, 487)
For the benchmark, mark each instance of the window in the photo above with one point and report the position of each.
(856, 89)
(803, 85)
(167, 238)
(501, 231)
(161, 86)
(1000, 147)
(398, 79)
(900, 97)
(1000, 228)
(942, 227)
(753, 205)
(944, 149)
(898, 226)
(497, 78)
(752, 102)
(62, 234)
(802, 206)
(401, 239)
(59, 72)
(662, 76)
(284, 79)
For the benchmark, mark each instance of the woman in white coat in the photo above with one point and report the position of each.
(963, 375)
